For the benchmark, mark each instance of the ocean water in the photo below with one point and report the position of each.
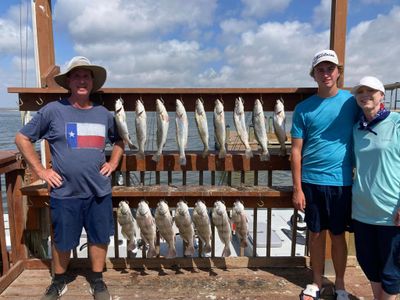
(10, 123)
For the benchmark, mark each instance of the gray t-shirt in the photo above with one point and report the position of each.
(77, 139)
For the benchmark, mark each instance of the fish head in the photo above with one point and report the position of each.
(239, 107)
(200, 207)
(199, 106)
(219, 207)
(258, 108)
(182, 208)
(123, 208)
(238, 206)
(162, 207)
(139, 107)
(119, 105)
(279, 107)
(219, 107)
(143, 207)
(180, 109)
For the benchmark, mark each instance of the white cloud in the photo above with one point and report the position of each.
(322, 14)
(274, 55)
(112, 20)
(262, 8)
(373, 48)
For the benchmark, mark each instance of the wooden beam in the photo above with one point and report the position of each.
(338, 32)
(44, 43)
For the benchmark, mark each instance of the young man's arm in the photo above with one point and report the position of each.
(25, 146)
(298, 198)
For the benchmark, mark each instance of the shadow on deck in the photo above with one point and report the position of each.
(185, 283)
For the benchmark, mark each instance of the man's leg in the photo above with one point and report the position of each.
(339, 258)
(60, 260)
(317, 255)
(98, 254)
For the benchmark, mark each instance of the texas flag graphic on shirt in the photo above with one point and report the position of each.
(85, 135)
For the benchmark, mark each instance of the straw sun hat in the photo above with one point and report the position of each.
(99, 73)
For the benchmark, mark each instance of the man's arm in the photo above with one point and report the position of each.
(298, 198)
(116, 154)
(30, 155)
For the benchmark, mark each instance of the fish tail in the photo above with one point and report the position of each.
(222, 153)
(248, 153)
(189, 251)
(265, 156)
(227, 251)
(152, 252)
(205, 152)
(207, 248)
(131, 146)
(182, 160)
(243, 243)
(140, 155)
(156, 157)
(171, 252)
(131, 245)
(282, 151)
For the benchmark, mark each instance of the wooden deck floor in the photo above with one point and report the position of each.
(270, 283)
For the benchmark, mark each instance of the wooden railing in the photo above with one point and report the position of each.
(206, 178)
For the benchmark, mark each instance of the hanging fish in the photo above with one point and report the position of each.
(202, 126)
(221, 221)
(219, 128)
(239, 119)
(181, 123)
(280, 125)
(164, 224)
(202, 224)
(185, 226)
(147, 227)
(162, 128)
(128, 224)
(120, 119)
(239, 218)
(260, 130)
(141, 127)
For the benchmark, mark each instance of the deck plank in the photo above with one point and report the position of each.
(269, 283)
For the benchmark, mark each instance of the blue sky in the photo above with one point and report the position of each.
(201, 43)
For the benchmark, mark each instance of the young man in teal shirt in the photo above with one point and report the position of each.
(322, 168)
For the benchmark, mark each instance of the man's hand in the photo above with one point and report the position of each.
(107, 169)
(298, 200)
(51, 177)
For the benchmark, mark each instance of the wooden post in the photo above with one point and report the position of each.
(44, 43)
(337, 43)
(338, 32)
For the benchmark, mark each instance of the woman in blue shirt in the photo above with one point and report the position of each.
(376, 190)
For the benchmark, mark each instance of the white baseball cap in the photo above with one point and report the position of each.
(371, 82)
(324, 55)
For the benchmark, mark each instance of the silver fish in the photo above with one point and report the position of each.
(141, 127)
(280, 125)
(181, 123)
(147, 227)
(162, 128)
(202, 126)
(120, 119)
(184, 223)
(239, 218)
(239, 119)
(202, 224)
(221, 221)
(127, 223)
(219, 127)
(164, 224)
(260, 130)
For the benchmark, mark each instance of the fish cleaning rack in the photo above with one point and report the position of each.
(258, 195)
